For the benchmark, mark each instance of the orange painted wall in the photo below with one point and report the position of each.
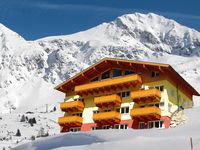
(166, 120)
(87, 126)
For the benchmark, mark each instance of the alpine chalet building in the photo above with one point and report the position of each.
(121, 94)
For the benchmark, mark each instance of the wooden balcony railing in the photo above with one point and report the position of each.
(146, 113)
(109, 84)
(72, 106)
(146, 96)
(109, 100)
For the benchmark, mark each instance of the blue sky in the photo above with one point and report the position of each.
(35, 19)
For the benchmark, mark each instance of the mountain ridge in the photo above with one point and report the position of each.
(51, 60)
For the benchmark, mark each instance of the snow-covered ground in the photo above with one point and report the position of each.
(9, 123)
(166, 139)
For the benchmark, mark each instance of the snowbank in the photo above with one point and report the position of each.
(165, 139)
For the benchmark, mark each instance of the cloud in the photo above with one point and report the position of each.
(180, 15)
(84, 7)
(10, 5)
(80, 7)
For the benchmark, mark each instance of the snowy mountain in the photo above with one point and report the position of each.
(30, 69)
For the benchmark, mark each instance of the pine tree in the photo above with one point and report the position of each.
(34, 120)
(18, 133)
(41, 132)
(22, 118)
(30, 121)
(32, 137)
(54, 109)
(26, 118)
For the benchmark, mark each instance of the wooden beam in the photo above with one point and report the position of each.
(95, 69)
(160, 69)
(120, 86)
(74, 82)
(107, 89)
(62, 88)
(113, 87)
(83, 75)
(131, 66)
(145, 67)
(90, 92)
(108, 64)
(96, 91)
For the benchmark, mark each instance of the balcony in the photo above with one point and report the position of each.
(70, 121)
(110, 100)
(72, 106)
(107, 117)
(146, 96)
(146, 113)
(109, 84)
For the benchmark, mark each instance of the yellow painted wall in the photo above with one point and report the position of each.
(90, 107)
(170, 101)
(184, 101)
(164, 95)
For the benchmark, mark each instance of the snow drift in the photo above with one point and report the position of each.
(165, 139)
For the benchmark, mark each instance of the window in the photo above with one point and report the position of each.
(140, 74)
(150, 125)
(74, 129)
(123, 110)
(95, 111)
(125, 94)
(77, 114)
(73, 89)
(170, 108)
(154, 74)
(105, 75)
(127, 72)
(94, 128)
(106, 127)
(117, 126)
(118, 109)
(159, 105)
(172, 92)
(160, 88)
(117, 73)
(121, 126)
(95, 79)
(79, 99)
(156, 124)
(107, 110)
(141, 125)
(162, 106)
